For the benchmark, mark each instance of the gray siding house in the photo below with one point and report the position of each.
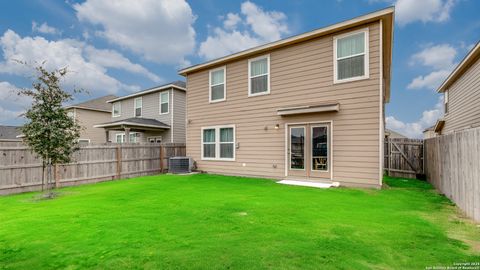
(152, 115)
(462, 95)
(89, 113)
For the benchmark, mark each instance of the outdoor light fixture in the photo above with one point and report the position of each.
(277, 126)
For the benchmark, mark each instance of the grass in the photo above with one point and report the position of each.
(220, 222)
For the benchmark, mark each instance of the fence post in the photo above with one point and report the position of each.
(161, 158)
(119, 161)
(56, 177)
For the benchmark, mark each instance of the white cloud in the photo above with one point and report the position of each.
(259, 27)
(12, 105)
(269, 25)
(113, 59)
(44, 28)
(226, 42)
(438, 58)
(408, 11)
(159, 30)
(429, 81)
(87, 65)
(6, 116)
(231, 21)
(415, 129)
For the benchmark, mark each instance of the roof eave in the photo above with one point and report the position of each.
(86, 108)
(127, 123)
(153, 90)
(374, 16)
(467, 61)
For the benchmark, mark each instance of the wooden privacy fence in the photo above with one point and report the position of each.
(452, 165)
(404, 157)
(21, 171)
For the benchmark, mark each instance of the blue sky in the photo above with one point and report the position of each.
(131, 45)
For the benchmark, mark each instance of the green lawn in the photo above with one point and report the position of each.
(219, 222)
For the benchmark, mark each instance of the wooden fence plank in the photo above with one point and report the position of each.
(452, 165)
(20, 170)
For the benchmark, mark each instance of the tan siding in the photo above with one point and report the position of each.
(87, 119)
(300, 74)
(464, 100)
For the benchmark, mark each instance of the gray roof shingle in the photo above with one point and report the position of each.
(9, 132)
(96, 104)
(138, 121)
(180, 84)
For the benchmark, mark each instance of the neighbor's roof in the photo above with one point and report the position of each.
(385, 15)
(466, 63)
(134, 121)
(98, 104)
(181, 85)
(394, 134)
(10, 132)
(432, 128)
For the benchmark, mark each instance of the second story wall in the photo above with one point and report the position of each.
(150, 107)
(301, 74)
(463, 101)
(87, 119)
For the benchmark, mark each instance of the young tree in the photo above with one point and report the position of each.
(49, 131)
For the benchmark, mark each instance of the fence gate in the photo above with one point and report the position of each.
(404, 157)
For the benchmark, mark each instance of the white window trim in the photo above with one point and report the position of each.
(121, 135)
(135, 107)
(168, 102)
(224, 68)
(119, 109)
(155, 138)
(267, 56)
(366, 53)
(445, 102)
(304, 149)
(328, 148)
(217, 143)
(124, 138)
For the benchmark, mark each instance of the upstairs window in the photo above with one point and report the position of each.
(259, 76)
(116, 109)
(138, 106)
(445, 101)
(351, 56)
(217, 85)
(164, 101)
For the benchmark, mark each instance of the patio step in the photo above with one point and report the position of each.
(308, 183)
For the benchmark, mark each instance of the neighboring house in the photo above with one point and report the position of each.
(394, 135)
(461, 92)
(429, 133)
(153, 115)
(306, 107)
(89, 113)
(10, 134)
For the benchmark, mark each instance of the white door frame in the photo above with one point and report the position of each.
(287, 131)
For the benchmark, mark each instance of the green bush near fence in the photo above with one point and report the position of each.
(220, 222)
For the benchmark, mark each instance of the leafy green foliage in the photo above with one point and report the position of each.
(49, 131)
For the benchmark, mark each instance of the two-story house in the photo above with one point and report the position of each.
(152, 115)
(461, 92)
(89, 113)
(309, 107)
